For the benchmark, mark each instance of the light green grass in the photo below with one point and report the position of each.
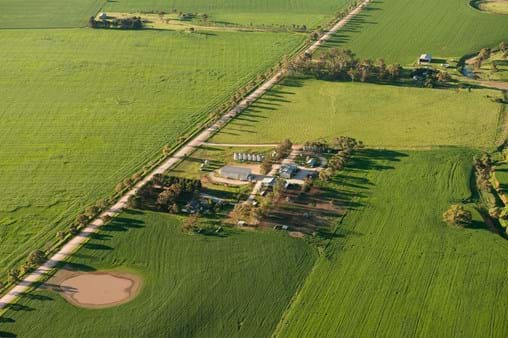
(84, 109)
(397, 270)
(217, 157)
(47, 13)
(193, 285)
(244, 12)
(401, 30)
(377, 114)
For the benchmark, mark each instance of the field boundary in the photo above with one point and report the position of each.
(75, 243)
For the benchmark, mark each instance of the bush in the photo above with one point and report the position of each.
(458, 216)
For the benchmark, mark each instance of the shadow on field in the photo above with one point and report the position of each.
(123, 224)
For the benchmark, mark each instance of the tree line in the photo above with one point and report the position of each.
(342, 64)
(134, 22)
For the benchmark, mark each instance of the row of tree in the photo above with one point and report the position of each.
(344, 147)
(342, 64)
(134, 22)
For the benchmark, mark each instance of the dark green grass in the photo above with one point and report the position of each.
(401, 30)
(83, 109)
(233, 285)
(396, 269)
(243, 12)
(47, 13)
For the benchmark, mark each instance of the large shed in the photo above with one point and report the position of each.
(236, 173)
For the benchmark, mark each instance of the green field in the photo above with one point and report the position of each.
(397, 270)
(380, 115)
(84, 109)
(47, 14)
(401, 30)
(243, 12)
(237, 285)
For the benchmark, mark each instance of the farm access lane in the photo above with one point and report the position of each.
(73, 245)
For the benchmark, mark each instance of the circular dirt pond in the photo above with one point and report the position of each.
(99, 289)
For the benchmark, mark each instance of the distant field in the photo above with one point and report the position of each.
(377, 114)
(232, 286)
(83, 109)
(401, 30)
(47, 13)
(244, 12)
(397, 270)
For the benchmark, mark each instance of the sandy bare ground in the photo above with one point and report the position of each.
(95, 289)
(73, 245)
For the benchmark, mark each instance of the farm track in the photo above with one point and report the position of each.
(73, 245)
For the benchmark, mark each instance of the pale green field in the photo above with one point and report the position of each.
(84, 109)
(380, 115)
(47, 13)
(243, 12)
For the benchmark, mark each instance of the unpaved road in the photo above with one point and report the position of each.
(74, 244)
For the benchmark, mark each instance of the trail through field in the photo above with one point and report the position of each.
(72, 246)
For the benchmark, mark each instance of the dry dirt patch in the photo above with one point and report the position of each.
(95, 289)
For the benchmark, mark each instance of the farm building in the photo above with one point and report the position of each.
(103, 16)
(288, 171)
(425, 58)
(248, 157)
(236, 173)
(268, 181)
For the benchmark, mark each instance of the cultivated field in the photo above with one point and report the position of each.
(396, 269)
(231, 284)
(400, 30)
(47, 14)
(380, 115)
(242, 12)
(84, 109)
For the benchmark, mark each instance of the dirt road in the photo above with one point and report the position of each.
(74, 244)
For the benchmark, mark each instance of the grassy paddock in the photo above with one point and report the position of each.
(47, 13)
(83, 109)
(401, 30)
(380, 115)
(235, 284)
(396, 269)
(243, 12)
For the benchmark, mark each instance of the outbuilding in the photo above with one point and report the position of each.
(103, 16)
(236, 173)
(425, 58)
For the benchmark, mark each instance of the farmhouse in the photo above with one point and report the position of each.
(288, 171)
(236, 173)
(425, 58)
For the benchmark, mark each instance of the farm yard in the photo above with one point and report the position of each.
(78, 118)
(192, 285)
(379, 115)
(399, 31)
